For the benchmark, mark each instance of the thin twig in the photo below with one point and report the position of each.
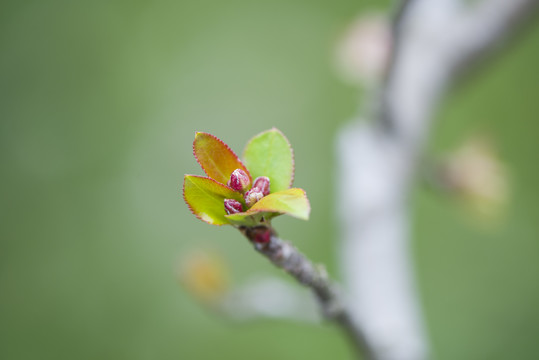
(287, 257)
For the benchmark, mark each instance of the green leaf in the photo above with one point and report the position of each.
(248, 219)
(205, 198)
(292, 202)
(269, 154)
(215, 157)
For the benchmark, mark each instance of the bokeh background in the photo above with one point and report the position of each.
(99, 102)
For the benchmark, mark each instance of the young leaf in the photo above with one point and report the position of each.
(215, 157)
(247, 219)
(292, 202)
(269, 154)
(205, 197)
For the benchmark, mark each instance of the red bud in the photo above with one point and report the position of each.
(239, 180)
(233, 206)
(263, 184)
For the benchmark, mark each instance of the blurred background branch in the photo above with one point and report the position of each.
(378, 161)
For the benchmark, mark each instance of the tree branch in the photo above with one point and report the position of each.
(285, 256)
(487, 25)
(433, 41)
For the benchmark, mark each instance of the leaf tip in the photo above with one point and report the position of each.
(186, 178)
(215, 157)
(307, 212)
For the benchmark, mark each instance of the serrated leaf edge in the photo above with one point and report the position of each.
(243, 167)
(189, 205)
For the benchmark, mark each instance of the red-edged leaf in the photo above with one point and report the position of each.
(205, 197)
(216, 158)
(292, 202)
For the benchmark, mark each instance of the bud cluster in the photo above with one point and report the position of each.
(239, 181)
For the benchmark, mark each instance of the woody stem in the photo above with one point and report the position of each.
(287, 257)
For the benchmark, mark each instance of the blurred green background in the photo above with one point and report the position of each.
(98, 108)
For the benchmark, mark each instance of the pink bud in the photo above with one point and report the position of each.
(239, 180)
(233, 206)
(263, 184)
(252, 196)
